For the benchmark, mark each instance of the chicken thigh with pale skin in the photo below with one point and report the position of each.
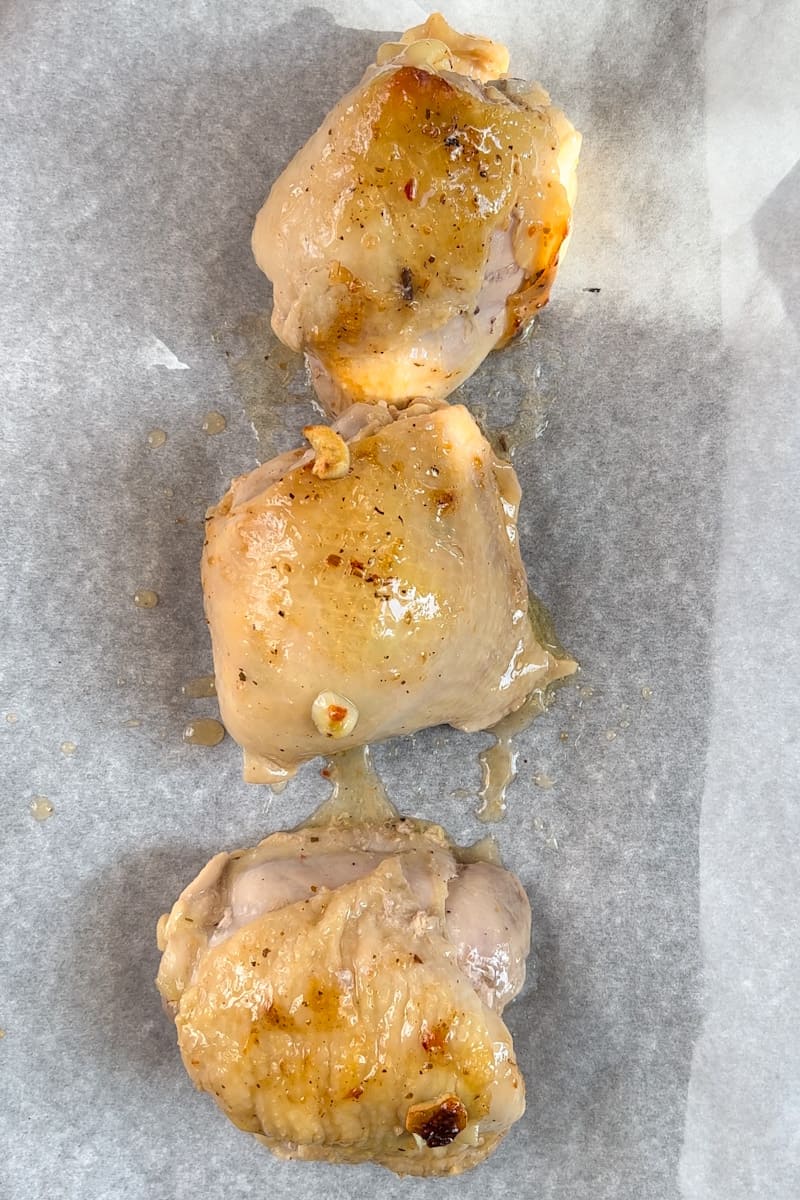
(369, 588)
(422, 224)
(338, 990)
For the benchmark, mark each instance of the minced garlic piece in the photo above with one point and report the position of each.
(334, 715)
(332, 454)
(437, 1122)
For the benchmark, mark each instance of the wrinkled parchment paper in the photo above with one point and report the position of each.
(658, 1031)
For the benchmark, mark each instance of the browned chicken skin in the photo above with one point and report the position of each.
(338, 991)
(373, 597)
(422, 224)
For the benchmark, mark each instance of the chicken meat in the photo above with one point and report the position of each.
(422, 224)
(369, 588)
(338, 990)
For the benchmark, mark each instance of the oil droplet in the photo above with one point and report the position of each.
(585, 692)
(624, 723)
(529, 384)
(156, 438)
(169, 492)
(647, 693)
(200, 687)
(204, 732)
(214, 422)
(133, 723)
(610, 735)
(543, 781)
(68, 748)
(499, 762)
(144, 598)
(530, 422)
(563, 736)
(41, 808)
(2, 1033)
(12, 718)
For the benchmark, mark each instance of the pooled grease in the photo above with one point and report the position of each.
(499, 762)
(268, 377)
(358, 797)
(512, 404)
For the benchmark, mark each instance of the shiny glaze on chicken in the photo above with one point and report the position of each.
(338, 991)
(422, 224)
(347, 609)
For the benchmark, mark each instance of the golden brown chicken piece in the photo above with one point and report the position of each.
(422, 224)
(350, 607)
(338, 991)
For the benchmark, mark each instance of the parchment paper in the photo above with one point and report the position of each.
(658, 1032)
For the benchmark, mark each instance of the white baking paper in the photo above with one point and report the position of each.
(658, 1032)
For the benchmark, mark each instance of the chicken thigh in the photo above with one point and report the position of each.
(338, 990)
(422, 224)
(370, 588)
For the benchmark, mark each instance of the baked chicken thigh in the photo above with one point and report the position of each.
(422, 224)
(338, 990)
(369, 588)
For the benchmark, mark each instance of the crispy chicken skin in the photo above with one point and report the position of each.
(338, 990)
(422, 224)
(347, 608)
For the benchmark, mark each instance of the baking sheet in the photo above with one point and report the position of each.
(658, 1033)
